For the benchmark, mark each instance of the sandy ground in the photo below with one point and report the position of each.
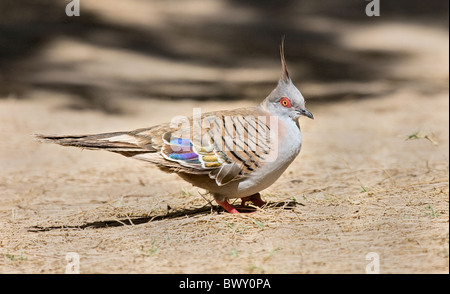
(358, 186)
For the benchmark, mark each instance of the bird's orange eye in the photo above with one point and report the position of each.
(286, 102)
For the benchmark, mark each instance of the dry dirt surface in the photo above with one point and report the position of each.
(372, 179)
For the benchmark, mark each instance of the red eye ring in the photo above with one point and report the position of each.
(285, 102)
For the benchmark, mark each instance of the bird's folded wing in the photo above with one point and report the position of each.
(228, 145)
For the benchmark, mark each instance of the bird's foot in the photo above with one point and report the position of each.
(255, 199)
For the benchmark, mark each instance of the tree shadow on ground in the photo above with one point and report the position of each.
(26, 29)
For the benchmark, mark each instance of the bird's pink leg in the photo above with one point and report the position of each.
(256, 199)
(227, 206)
(245, 200)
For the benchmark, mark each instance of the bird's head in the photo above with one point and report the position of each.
(286, 100)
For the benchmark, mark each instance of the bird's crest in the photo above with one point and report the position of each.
(285, 76)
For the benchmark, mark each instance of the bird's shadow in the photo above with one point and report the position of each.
(138, 220)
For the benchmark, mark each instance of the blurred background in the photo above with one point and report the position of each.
(218, 50)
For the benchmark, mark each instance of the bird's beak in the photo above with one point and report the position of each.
(305, 112)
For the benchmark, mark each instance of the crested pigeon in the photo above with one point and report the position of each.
(232, 154)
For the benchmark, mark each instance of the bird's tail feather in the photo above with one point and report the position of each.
(124, 143)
